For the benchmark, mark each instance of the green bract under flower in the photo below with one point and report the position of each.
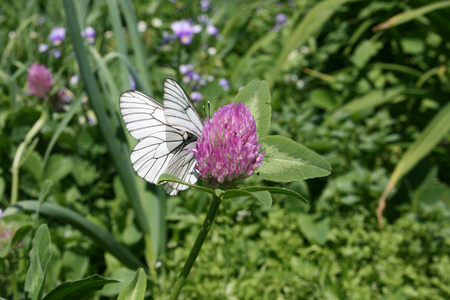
(228, 148)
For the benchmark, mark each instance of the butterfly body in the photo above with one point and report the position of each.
(165, 133)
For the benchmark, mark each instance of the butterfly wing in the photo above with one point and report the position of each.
(182, 166)
(162, 148)
(178, 109)
(141, 114)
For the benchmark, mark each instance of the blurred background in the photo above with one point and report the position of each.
(363, 83)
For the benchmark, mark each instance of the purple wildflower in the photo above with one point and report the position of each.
(56, 53)
(57, 35)
(224, 83)
(196, 96)
(167, 37)
(185, 30)
(132, 82)
(281, 20)
(185, 69)
(212, 30)
(205, 5)
(203, 19)
(40, 81)
(42, 47)
(228, 148)
(90, 34)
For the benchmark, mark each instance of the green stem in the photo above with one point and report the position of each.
(17, 157)
(196, 248)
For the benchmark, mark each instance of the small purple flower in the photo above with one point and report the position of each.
(185, 69)
(203, 19)
(40, 81)
(185, 30)
(224, 83)
(90, 34)
(228, 148)
(56, 53)
(41, 20)
(196, 96)
(281, 20)
(132, 82)
(57, 35)
(205, 5)
(212, 30)
(42, 47)
(167, 37)
(1, 212)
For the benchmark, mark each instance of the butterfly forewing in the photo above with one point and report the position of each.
(141, 114)
(178, 109)
(165, 135)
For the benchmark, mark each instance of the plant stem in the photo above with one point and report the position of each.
(17, 157)
(213, 209)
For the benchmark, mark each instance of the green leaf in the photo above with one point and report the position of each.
(314, 227)
(261, 195)
(433, 133)
(286, 160)
(16, 224)
(276, 190)
(136, 289)
(79, 289)
(59, 166)
(167, 177)
(256, 96)
(102, 237)
(40, 256)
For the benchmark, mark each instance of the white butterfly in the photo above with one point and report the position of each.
(165, 134)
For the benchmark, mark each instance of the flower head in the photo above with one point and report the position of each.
(212, 30)
(90, 34)
(185, 30)
(57, 35)
(223, 82)
(196, 96)
(228, 148)
(42, 47)
(40, 81)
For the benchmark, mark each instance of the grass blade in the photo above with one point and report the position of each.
(309, 26)
(92, 230)
(124, 169)
(411, 15)
(435, 131)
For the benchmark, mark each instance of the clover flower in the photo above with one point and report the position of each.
(185, 30)
(40, 81)
(228, 148)
(57, 35)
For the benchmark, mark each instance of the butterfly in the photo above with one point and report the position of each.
(165, 133)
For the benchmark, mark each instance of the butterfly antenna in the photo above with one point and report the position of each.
(204, 110)
(207, 114)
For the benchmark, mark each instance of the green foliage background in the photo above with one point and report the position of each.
(358, 96)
